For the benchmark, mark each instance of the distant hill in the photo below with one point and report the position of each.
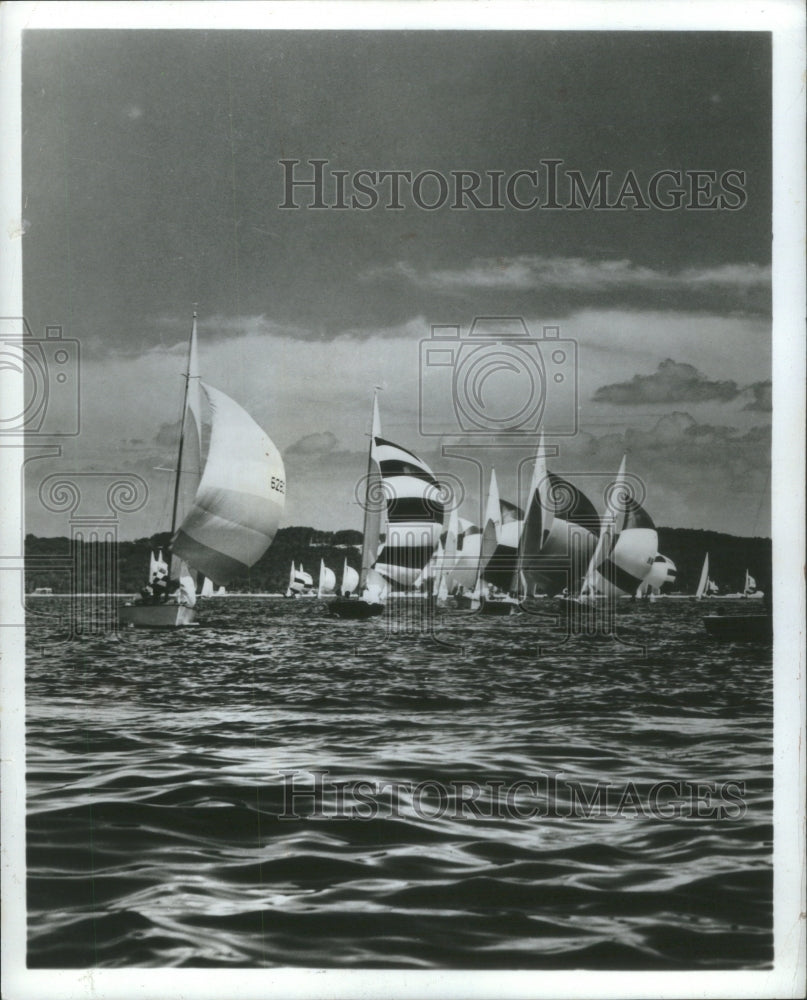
(48, 559)
(729, 558)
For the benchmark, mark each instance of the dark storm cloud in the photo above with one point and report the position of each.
(673, 382)
(151, 172)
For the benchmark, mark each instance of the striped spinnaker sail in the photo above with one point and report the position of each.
(414, 512)
(560, 532)
(502, 567)
(627, 545)
(662, 571)
(240, 497)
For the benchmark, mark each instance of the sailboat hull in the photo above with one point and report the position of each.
(156, 615)
(466, 602)
(500, 608)
(354, 608)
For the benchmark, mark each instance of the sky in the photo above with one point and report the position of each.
(152, 180)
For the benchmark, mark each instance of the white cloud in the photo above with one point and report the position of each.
(527, 271)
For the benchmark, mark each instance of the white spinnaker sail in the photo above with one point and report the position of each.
(540, 508)
(240, 498)
(491, 531)
(704, 580)
(610, 527)
(350, 579)
(327, 579)
(375, 588)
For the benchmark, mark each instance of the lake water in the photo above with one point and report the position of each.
(275, 787)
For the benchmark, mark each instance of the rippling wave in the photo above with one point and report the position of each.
(163, 767)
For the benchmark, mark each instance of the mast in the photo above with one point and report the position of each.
(178, 471)
(367, 554)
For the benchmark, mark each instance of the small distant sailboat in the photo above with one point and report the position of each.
(368, 598)
(208, 589)
(301, 584)
(350, 580)
(235, 512)
(750, 588)
(327, 581)
(706, 586)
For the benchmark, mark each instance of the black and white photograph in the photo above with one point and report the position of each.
(403, 499)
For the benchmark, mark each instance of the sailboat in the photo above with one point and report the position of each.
(414, 516)
(368, 598)
(662, 571)
(745, 625)
(301, 584)
(750, 587)
(626, 547)
(327, 580)
(749, 590)
(350, 580)
(706, 586)
(445, 559)
(463, 569)
(236, 510)
(485, 596)
(560, 533)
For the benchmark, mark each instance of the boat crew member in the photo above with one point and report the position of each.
(160, 586)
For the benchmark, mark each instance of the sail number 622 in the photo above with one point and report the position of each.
(278, 484)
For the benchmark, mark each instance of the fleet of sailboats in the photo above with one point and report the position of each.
(557, 546)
